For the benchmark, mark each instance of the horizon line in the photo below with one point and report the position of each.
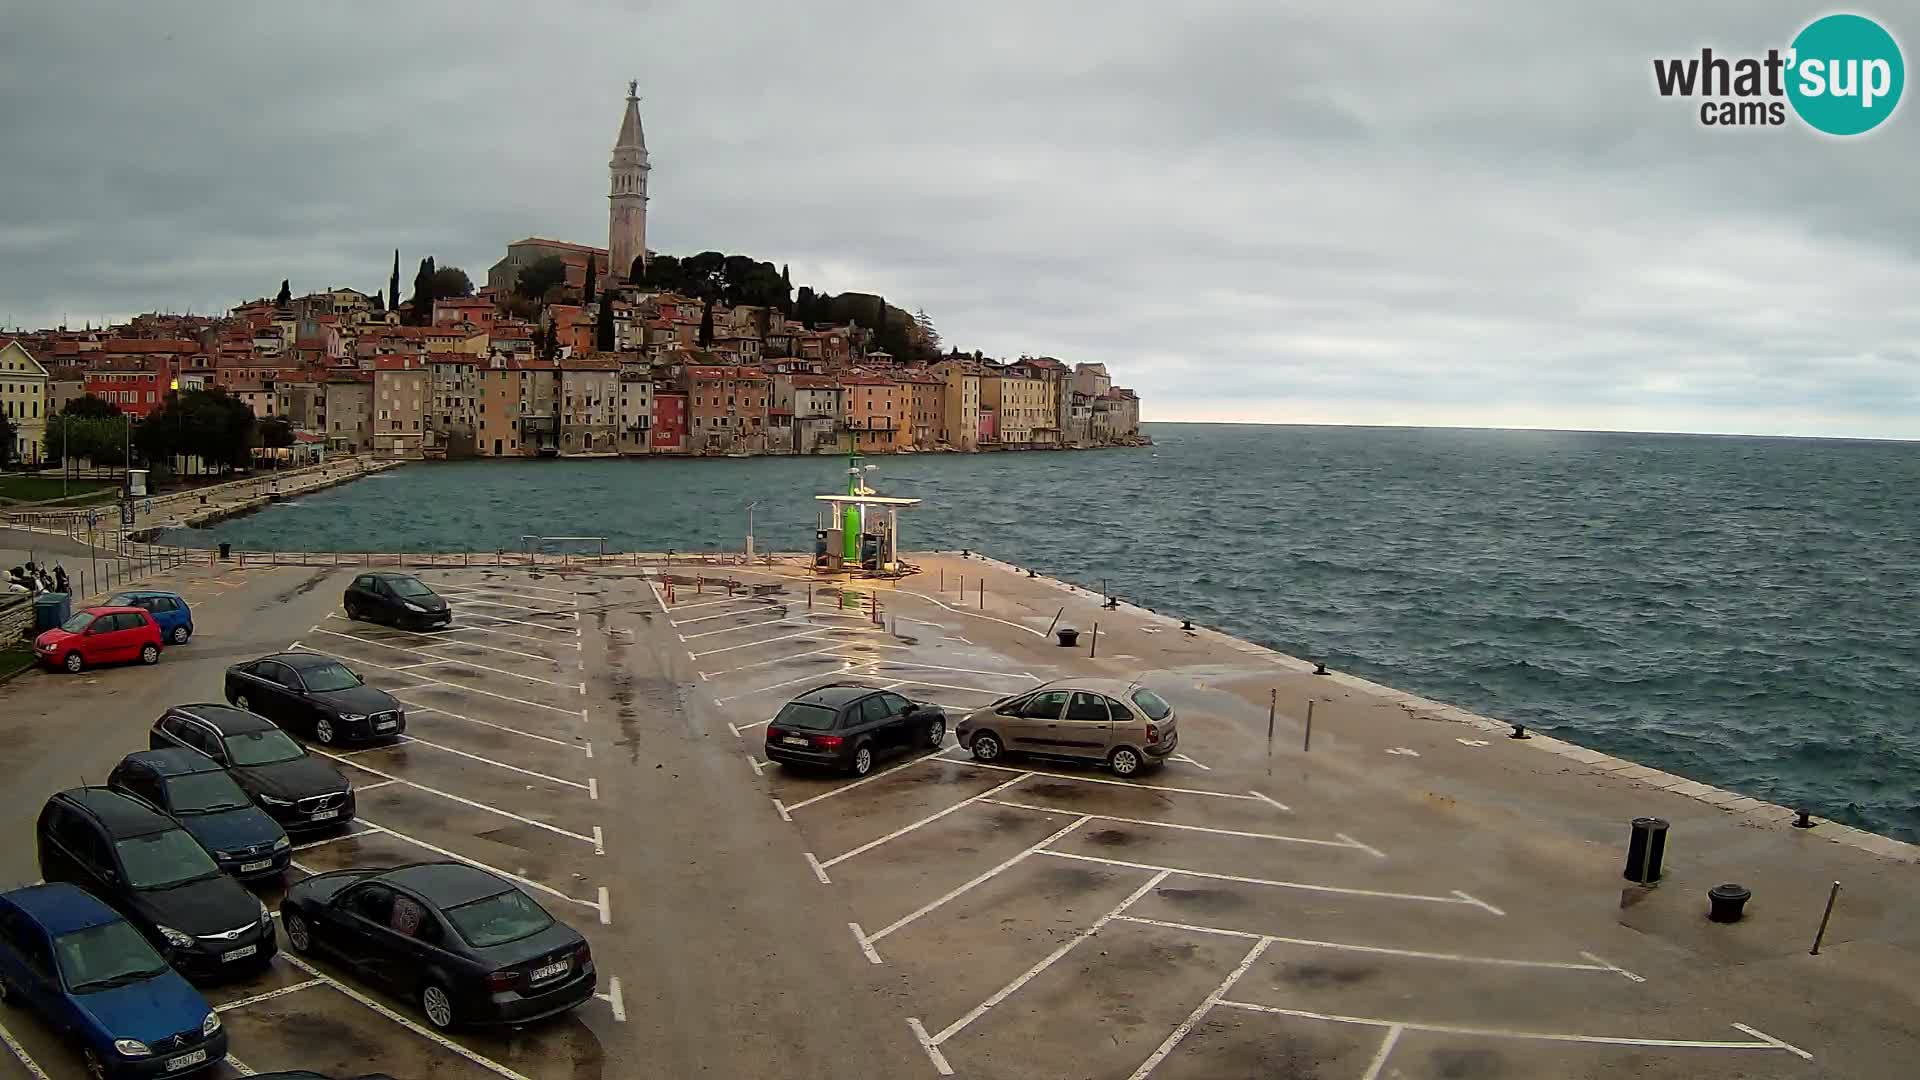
(1543, 430)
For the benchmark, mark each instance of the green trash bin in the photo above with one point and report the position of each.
(50, 610)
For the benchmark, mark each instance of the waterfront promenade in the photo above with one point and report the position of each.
(1412, 895)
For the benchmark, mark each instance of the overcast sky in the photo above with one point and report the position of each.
(1393, 213)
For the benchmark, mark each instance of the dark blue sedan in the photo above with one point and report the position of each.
(94, 979)
(196, 792)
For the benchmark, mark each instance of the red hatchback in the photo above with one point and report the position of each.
(100, 635)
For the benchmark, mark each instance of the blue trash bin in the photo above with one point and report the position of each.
(50, 610)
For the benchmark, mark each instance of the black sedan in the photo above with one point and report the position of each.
(400, 600)
(155, 873)
(315, 695)
(468, 946)
(296, 789)
(199, 794)
(847, 726)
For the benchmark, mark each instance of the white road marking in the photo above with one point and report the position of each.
(462, 800)
(428, 1034)
(777, 660)
(1271, 801)
(1368, 848)
(946, 686)
(457, 857)
(969, 762)
(971, 614)
(715, 615)
(758, 766)
(965, 670)
(868, 779)
(443, 661)
(1187, 828)
(510, 634)
(460, 687)
(331, 839)
(781, 621)
(565, 593)
(818, 870)
(570, 631)
(1615, 968)
(606, 908)
(1378, 950)
(851, 667)
(372, 786)
(1386, 1051)
(474, 601)
(1301, 885)
(781, 809)
(440, 641)
(1006, 991)
(476, 593)
(20, 1053)
(1403, 751)
(616, 999)
(928, 820)
(926, 1043)
(1478, 903)
(268, 996)
(476, 757)
(1199, 1011)
(599, 841)
(866, 946)
(593, 788)
(1195, 764)
(711, 603)
(976, 880)
(488, 723)
(239, 1066)
(808, 634)
(1766, 1042)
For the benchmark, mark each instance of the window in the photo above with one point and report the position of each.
(1152, 704)
(163, 859)
(101, 957)
(496, 920)
(897, 703)
(1087, 707)
(874, 709)
(1045, 706)
(373, 903)
(261, 747)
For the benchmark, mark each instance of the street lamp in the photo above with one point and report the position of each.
(750, 507)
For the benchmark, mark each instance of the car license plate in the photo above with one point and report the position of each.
(550, 971)
(325, 815)
(386, 725)
(250, 867)
(795, 740)
(240, 953)
(185, 1060)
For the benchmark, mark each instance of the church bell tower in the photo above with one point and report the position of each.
(627, 192)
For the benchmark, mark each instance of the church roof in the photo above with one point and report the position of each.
(631, 133)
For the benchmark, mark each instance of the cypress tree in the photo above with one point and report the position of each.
(586, 294)
(603, 329)
(393, 284)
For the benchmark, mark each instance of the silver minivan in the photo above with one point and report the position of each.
(1125, 725)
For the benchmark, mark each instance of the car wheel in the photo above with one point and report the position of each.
(353, 613)
(862, 760)
(181, 634)
(986, 746)
(240, 702)
(323, 730)
(438, 1005)
(3, 990)
(95, 1067)
(149, 653)
(936, 733)
(1124, 762)
(299, 934)
(75, 662)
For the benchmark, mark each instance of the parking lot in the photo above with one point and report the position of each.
(1053, 920)
(496, 769)
(598, 736)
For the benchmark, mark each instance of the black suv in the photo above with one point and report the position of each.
(199, 794)
(847, 726)
(396, 599)
(315, 695)
(155, 873)
(298, 790)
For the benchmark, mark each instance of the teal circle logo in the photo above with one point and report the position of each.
(1846, 74)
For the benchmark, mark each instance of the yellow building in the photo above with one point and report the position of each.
(1021, 404)
(23, 396)
(959, 404)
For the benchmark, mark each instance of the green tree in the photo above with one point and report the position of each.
(393, 284)
(706, 323)
(803, 305)
(90, 407)
(661, 272)
(929, 338)
(7, 437)
(275, 432)
(586, 291)
(603, 325)
(537, 279)
(448, 282)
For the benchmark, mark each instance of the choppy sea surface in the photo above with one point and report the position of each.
(1738, 610)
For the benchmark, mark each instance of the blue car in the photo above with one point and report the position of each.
(195, 791)
(95, 980)
(168, 609)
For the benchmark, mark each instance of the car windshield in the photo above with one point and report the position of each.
(406, 586)
(261, 748)
(205, 793)
(497, 920)
(801, 715)
(102, 957)
(1152, 704)
(329, 677)
(120, 600)
(164, 859)
(78, 623)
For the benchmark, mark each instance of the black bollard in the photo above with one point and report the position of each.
(1646, 847)
(1320, 667)
(1069, 637)
(1804, 820)
(1032, 574)
(1519, 732)
(1726, 903)
(1186, 624)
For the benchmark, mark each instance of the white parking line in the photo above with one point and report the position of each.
(1342, 946)
(20, 1053)
(442, 661)
(457, 857)
(1199, 1011)
(1386, 1051)
(756, 644)
(866, 945)
(1065, 947)
(1188, 828)
(717, 615)
(818, 870)
(462, 800)
(1195, 764)
(781, 621)
(430, 1035)
(1102, 780)
(476, 594)
(799, 656)
(509, 634)
(969, 614)
(1457, 898)
(268, 996)
(851, 668)
(415, 707)
(615, 999)
(868, 779)
(929, 819)
(239, 1066)
(711, 603)
(331, 839)
(964, 670)
(474, 757)
(439, 640)
(1767, 1042)
(570, 631)
(976, 880)
(474, 601)
(759, 766)
(297, 646)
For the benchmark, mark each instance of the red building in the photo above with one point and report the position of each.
(136, 385)
(669, 421)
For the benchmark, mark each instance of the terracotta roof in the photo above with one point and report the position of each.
(147, 345)
(395, 363)
(558, 244)
(590, 363)
(737, 373)
(815, 382)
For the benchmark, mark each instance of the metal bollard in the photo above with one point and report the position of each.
(1646, 847)
(1093, 642)
(1832, 895)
